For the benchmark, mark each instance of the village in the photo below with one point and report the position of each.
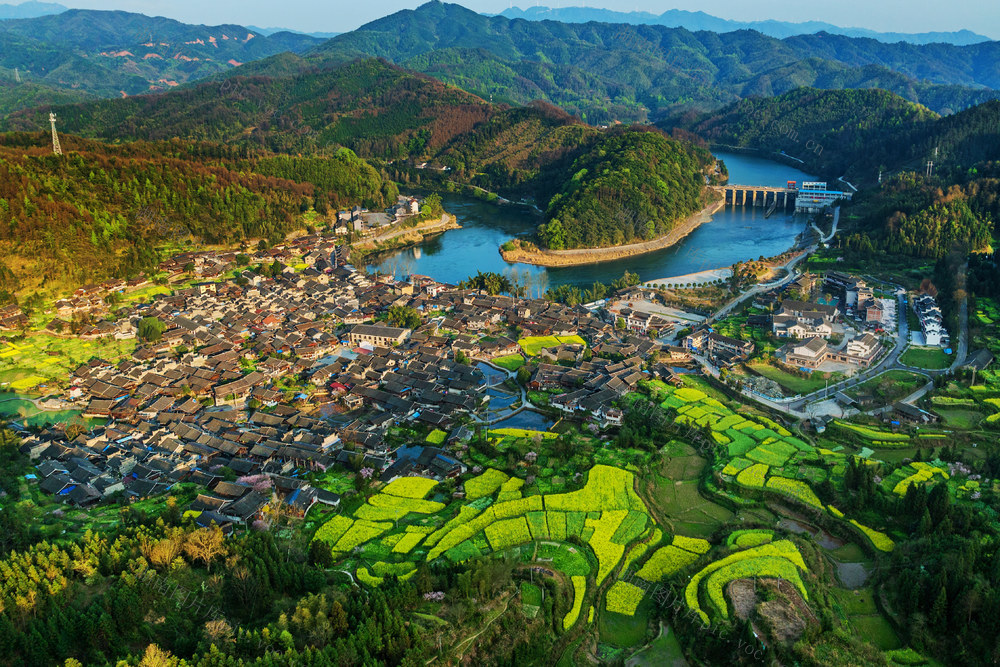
(256, 377)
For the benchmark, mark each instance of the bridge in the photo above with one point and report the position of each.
(810, 197)
(768, 198)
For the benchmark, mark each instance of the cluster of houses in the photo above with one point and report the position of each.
(12, 317)
(803, 319)
(860, 302)
(244, 379)
(931, 322)
(592, 387)
(721, 350)
(812, 353)
(362, 220)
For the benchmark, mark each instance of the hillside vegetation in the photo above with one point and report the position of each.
(114, 54)
(101, 211)
(611, 71)
(631, 186)
(399, 119)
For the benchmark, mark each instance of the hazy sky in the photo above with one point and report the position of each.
(982, 16)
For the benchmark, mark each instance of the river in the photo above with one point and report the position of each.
(732, 235)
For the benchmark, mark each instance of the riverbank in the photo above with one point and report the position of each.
(403, 238)
(581, 256)
(698, 278)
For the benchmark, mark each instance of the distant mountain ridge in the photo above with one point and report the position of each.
(114, 54)
(606, 72)
(694, 21)
(30, 10)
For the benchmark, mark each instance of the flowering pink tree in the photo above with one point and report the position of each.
(259, 483)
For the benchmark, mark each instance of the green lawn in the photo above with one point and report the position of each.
(532, 345)
(664, 651)
(511, 362)
(793, 383)
(624, 631)
(933, 358)
(531, 594)
(962, 419)
(889, 386)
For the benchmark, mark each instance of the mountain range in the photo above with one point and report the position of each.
(30, 10)
(600, 72)
(605, 72)
(82, 54)
(694, 21)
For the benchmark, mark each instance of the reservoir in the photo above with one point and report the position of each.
(733, 235)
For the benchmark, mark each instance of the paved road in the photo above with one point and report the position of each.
(789, 266)
(833, 230)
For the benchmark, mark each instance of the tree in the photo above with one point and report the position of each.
(404, 316)
(320, 554)
(552, 235)
(150, 329)
(205, 544)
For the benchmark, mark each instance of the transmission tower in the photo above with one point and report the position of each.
(17, 75)
(56, 148)
(930, 168)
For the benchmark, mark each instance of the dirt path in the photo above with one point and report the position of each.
(468, 640)
(579, 256)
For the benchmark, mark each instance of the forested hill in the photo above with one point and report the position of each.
(114, 53)
(101, 211)
(694, 21)
(631, 186)
(378, 110)
(830, 131)
(853, 134)
(401, 119)
(605, 71)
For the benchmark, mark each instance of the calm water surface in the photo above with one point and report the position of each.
(732, 235)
